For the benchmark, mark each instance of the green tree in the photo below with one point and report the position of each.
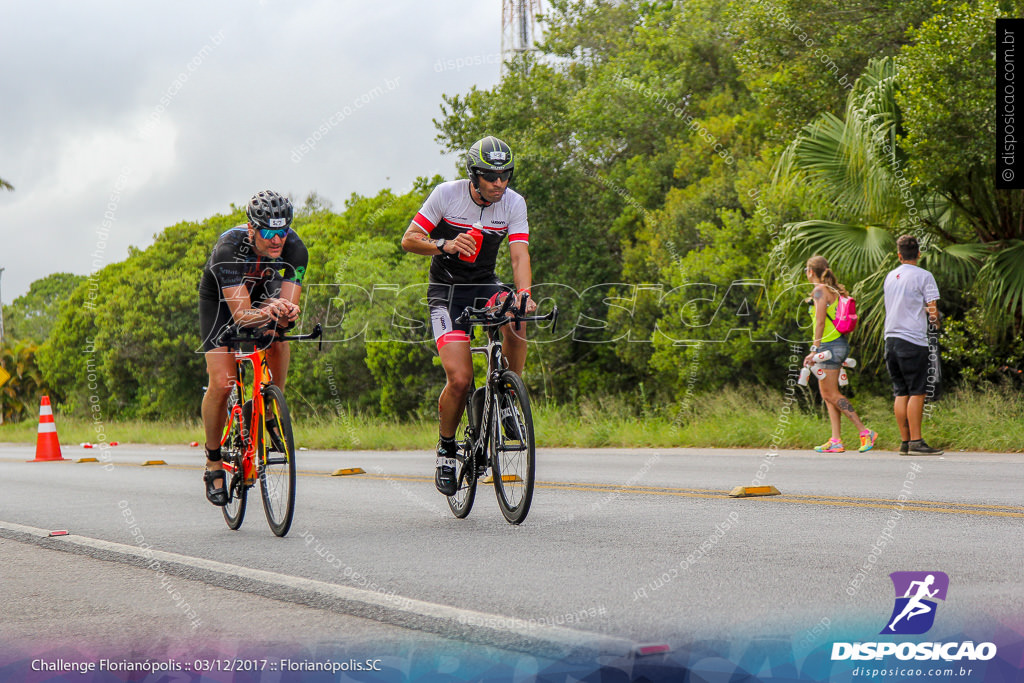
(32, 315)
(800, 57)
(127, 340)
(947, 105)
(359, 269)
(629, 103)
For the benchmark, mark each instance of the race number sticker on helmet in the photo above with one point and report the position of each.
(489, 154)
(268, 209)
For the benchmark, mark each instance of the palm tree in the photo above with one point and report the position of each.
(4, 185)
(854, 171)
(19, 396)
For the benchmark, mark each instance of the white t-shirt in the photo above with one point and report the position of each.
(907, 290)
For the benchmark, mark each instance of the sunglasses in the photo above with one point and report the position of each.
(493, 176)
(271, 233)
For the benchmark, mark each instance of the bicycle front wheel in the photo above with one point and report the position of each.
(512, 447)
(231, 454)
(277, 461)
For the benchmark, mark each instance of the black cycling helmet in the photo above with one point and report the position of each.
(268, 209)
(489, 154)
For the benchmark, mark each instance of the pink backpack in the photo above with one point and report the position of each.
(846, 315)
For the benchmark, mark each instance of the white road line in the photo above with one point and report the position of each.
(510, 633)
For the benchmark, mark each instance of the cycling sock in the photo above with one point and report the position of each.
(213, 455)
(448, 443)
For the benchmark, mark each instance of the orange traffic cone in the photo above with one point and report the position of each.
(47, 444)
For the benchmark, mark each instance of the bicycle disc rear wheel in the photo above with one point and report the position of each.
(277, 463)
(231, 454)
(512, 447)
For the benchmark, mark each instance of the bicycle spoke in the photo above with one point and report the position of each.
(512, 448)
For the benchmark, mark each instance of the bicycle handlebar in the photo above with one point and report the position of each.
(266, 335)
(488, 317)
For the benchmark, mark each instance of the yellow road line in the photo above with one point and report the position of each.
(816, 497)
(945, 507)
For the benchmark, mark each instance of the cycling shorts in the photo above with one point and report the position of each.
(447, 302)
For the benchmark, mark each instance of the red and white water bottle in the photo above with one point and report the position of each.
(478, 236)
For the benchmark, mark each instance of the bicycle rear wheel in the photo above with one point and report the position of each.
(512, 447)
(462, 501)
(231, 454)
(277, 462)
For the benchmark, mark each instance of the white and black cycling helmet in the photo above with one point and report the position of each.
(269, 210)
(489, 155)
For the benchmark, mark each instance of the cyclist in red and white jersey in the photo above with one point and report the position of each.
(442, 230)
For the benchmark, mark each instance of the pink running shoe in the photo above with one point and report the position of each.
(867, 440)
(831, 446)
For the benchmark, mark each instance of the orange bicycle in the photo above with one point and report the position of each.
(258, 442)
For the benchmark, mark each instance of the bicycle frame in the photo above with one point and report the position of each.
(250, 437)
(493, 322)
(495, 365)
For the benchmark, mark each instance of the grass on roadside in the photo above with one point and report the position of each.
(970, 419)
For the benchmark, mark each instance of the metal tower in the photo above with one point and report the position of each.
(518, 27)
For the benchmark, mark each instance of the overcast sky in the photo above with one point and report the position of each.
(133, 116)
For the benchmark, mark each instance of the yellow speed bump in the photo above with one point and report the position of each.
(87, 460)
(153, 462)
(748, 491)
(489, 479)
(345, 471)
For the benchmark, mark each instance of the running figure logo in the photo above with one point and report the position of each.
(914, 612)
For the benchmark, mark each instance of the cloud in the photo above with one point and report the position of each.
(205, 104)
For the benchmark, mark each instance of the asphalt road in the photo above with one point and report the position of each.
(621, 547)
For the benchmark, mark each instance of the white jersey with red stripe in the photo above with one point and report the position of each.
(450, 209)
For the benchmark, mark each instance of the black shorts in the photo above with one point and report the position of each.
(447, 303)
(215, 316)
(907, 365)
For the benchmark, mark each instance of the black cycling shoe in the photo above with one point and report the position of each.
(444, 477)
(274, 432)
(218, 495)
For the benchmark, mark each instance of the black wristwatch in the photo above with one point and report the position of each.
(440, 244)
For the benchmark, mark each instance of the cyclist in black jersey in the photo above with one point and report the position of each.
(253, 278)
(447, 227)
